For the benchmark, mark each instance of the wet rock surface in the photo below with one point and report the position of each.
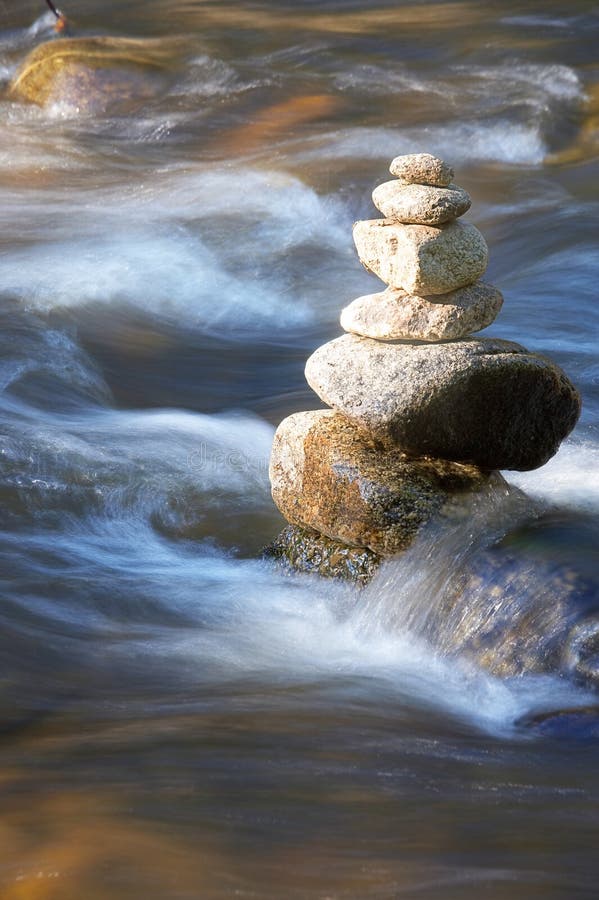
(327, 475)
(517, 609)
(299, 549)
(577, 723)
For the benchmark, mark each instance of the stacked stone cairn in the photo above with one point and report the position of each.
(423, 413)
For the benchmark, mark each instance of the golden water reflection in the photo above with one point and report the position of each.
(85, 844)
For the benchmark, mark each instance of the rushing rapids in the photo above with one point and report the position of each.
(178, 717)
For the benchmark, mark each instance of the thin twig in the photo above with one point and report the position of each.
(56, 12)
(61, 19)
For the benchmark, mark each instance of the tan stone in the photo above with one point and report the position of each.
(396, 315)
(419, 204)
(327, 475)
(422, 168)
(92, 74)
(421, 259)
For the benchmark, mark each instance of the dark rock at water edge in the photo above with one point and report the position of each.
(304, 550)
(515, 615)
(578, 724)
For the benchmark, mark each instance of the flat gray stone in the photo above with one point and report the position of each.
(329, 476)
(422, 168)
(396, 315)
(419, 204)
(483, 401)
(421, 259)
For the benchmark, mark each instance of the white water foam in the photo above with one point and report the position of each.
(291, 631)
(477, 140)
(532, 83)
(243, 619)
(207, 76)
(42, 27)
(181, 244)
(464, 87)
(487, 102)
(537, 21)
(570, 479)
(132, 463)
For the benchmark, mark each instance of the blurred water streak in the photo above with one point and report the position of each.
(177, 719)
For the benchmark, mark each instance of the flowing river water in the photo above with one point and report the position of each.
(179, 719)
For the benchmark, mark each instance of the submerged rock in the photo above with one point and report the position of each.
(579, 723)
(485, 401)
(513, 612)
(304, 550)
(92, 74)
(422, 168)
(394, 314)
(419, 204)
(327, 475)
(510, 588)
(421, 259)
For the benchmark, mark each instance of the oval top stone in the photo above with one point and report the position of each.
(420, 204)
(422, 168)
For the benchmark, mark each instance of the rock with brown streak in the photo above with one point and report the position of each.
(329, 476)
(93, 75)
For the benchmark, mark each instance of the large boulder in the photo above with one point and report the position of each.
(485, 401)
(394, 314)
(419, 204)
(421, 259)
(327, 475)
(93, 74)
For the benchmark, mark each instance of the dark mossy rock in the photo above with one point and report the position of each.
(92, 74)
(304, 550)
(578, 724)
